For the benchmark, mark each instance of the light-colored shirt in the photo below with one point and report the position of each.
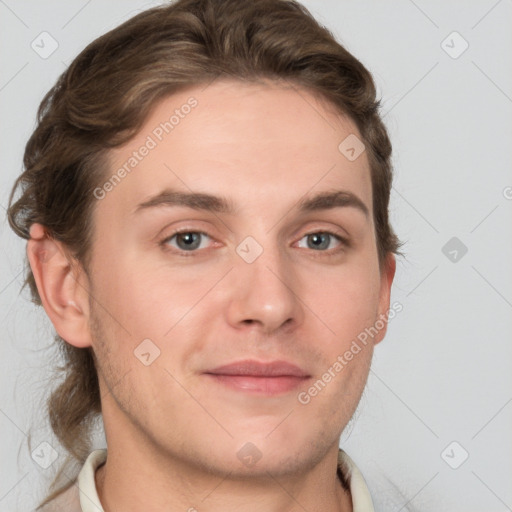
(82, 496)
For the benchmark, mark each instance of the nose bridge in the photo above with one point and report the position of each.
(263, 285)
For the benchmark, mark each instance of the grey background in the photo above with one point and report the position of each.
(444, 371)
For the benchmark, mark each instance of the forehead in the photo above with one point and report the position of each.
(268, 143)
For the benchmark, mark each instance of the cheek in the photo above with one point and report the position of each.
(345, 300)
(147, 301)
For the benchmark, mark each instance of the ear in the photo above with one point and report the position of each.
(62, 285)
(387, 275)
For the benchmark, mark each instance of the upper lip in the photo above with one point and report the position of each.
(260, 369)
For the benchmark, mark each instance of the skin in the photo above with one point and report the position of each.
(171, 430)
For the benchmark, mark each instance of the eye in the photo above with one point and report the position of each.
(321, 241)
(187, 240)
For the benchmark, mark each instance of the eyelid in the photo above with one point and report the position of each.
(334, 232)
(321, 227)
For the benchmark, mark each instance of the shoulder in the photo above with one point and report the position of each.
(352, 477)
(374, 492)
(68, 501)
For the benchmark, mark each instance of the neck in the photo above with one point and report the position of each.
(135, 481)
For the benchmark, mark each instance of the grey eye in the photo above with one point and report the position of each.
(188, 241)
(319, 241)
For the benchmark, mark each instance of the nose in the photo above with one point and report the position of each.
(264, 294)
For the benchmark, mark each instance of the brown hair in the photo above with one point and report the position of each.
(102, 100)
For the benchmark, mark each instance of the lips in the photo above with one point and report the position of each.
(257, 369)
(256, 377)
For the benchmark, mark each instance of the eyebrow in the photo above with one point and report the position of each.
(217, 204)
(335, 199)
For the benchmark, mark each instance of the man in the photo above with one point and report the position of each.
(205, 199)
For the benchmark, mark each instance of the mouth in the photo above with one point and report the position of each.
(270, 378)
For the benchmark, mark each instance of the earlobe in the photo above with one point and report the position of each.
(386, 280)
(57, 277)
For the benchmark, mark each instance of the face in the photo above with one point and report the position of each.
(232, 267)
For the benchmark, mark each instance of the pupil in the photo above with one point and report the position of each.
(189, 240)
(319, 241)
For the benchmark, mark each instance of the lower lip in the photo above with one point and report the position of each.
(260, 385)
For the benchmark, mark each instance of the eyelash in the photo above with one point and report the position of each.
(344, 243)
